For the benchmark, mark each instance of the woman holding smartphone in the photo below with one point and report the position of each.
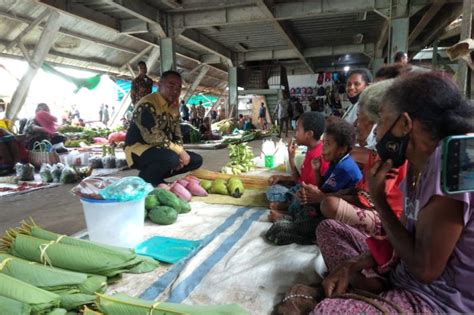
(432, 266)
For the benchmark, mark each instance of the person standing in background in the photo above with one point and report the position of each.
(184, 110)
(262, 116)
(101, 113)
(281, 112)
(106, 115)
(141, 85)
(193, 115)
(201, 112)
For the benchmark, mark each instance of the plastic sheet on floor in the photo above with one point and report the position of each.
(234, 263)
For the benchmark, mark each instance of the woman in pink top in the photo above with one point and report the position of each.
(43, 127)
(433, 265)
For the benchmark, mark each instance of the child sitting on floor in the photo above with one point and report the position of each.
(342, 175)
(282, 191)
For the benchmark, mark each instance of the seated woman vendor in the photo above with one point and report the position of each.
(153, 144)
(206, 130)
(433, 268)
(43, 127)
(309, 128)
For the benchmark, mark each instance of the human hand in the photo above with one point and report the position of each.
(310, 194)
(292, 149)
(316, 163)
(184, 158)
(275, 179)
(337, 281)
(376, 177)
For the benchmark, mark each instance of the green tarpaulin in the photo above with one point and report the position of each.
(88, 83)
(207, 100)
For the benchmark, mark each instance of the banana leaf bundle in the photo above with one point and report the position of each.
(121, 304)
(10, 306)
(75, 289)
(33, 243)
(39, 300)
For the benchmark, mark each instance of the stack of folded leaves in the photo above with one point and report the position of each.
(18, 297)
(121, 304)
(33, 243)
(74, 289)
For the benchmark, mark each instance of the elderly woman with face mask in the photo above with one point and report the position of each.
(432, 263)
(355, 207)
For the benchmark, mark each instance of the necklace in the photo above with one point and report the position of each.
(415, 180)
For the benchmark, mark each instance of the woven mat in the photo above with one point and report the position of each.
(251, 198)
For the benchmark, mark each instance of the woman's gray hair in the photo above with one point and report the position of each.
(372, 97)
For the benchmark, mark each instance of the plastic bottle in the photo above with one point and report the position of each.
(268, 150)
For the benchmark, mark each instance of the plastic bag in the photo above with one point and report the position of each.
(68, 176)
(56, 171)
(126, 189)
(108, 161)
(95, 162)
(45, 173)
(89, 188)
(25, 172)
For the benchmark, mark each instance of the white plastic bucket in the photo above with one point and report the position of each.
(115, 223)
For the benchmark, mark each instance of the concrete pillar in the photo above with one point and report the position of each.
(377, 63)
(168, 60)
(398, 36)
(41, 51)
(466, 29)
(153, 58)
(233, 93)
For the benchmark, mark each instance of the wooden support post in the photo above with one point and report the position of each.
(45, 42)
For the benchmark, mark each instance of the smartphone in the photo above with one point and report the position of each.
(457, 164)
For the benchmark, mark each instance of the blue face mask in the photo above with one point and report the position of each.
(391, 147)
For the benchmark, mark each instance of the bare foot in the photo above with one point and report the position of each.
(275, 215)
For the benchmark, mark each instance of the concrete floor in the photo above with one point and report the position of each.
(58, 210)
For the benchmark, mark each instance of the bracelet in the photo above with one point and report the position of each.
(291, 296)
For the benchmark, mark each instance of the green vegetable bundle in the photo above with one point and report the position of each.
(122, 304)
(75, 289)
(39, 300)
(33, 243)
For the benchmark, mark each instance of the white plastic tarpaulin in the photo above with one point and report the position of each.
(233, 265)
